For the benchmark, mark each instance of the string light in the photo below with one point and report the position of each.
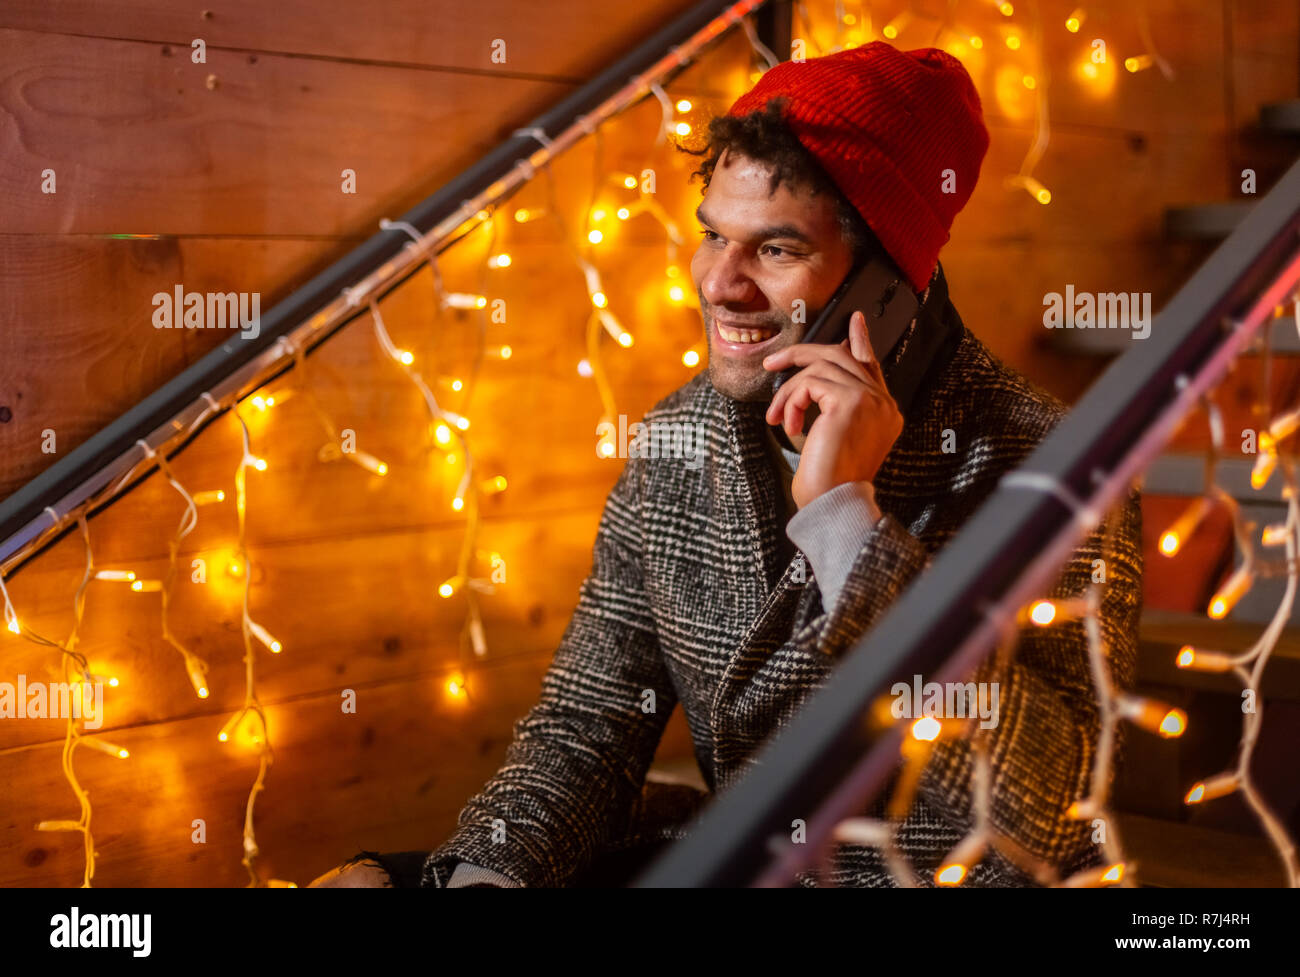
(1172, 539)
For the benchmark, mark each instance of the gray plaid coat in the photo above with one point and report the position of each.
(694, 594)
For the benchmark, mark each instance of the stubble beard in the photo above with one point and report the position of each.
(740, 380)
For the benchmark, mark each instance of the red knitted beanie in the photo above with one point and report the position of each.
(886, 125)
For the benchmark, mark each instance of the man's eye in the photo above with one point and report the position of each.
(709, 235)
(775, 251)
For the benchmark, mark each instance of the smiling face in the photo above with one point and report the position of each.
(760, 252)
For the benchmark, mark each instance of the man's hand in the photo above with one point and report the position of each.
(354, 875)
(859, 421)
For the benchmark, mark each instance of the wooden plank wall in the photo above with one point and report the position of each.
(227, 176)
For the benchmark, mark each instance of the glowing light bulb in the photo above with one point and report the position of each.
(691, 358)
(683, 105)
(229, 728)
(122, 575)
(1140, 63)
(449, 587)
(197, 679)
(105, 747)
(14, 626)
(599, 300)
(465, 300)
(208, 498)
(264, 636)
(1265, 462)
(405, 357)
(957, 864)
(235, 568)
(1226, 598)
(1013, 42)
(926, 729)
(976, 41)
(623, 213)
(1095, 878)
(1274, 534)
(683, 129)
(598, 213)
(629, 181)
(1075, 20)
(1042, 612)
(676, 294)
(1153, 716)
(1202, 661)
(454, 687)
(950, 875)
(442, 434)
(369, 462)
(594, 236)
(584, 368)
(458, 503)
(498, 484)
(501, 260)
(1207, 790)
(261, 403)
(58, 826)
(1184, 526)
(1006, 9)
(1029, 82)
(1174, 723)
(146, 586)
(456, 385)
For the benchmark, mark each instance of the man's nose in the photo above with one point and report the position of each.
(727, 281)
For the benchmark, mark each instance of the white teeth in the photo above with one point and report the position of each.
(744, 335)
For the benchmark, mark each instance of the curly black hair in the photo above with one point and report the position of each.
(764, 136)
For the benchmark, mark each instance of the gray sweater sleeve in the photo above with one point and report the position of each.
(830, 530)
(466, 874)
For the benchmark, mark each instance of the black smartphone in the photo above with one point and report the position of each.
(879, 290)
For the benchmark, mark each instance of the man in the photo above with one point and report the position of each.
(699, 592)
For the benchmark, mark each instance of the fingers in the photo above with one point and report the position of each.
(860, 340)
(826, 370)
(808, 391)
(832, 371)
(805, 354)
